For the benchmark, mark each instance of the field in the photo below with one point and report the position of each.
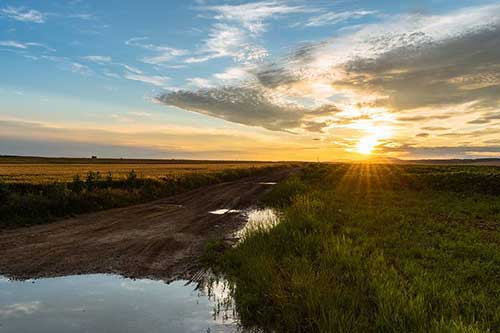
(372, 248)
(40, 190)
(47, 170)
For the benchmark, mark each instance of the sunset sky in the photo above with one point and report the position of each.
(269, 80)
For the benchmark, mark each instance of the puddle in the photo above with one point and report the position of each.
(110, 303)
(268, 183)
(258, 219)
(224, 211)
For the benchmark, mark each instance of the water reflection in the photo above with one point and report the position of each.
(258, 219)
(109, 303)
(224, 211)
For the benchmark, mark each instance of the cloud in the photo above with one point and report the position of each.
(408, 62)
(435, 128)
(199, 82)
(14, 44)
(228, 41)
(246, 105)
(233, 75)
(20, 309)
(132, 69)
(337, 17)
(446, 151)
(252, 16)
(26, 138)
(68, 64)
(162, 54)
(98, 58)
(236, 28)
(78, 68)
(155, 80)
(22, 14)
(413, 67)
(486, 118)
(24, 45)
(83, 16)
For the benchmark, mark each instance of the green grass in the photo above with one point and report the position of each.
(24, 204)
(374, 248)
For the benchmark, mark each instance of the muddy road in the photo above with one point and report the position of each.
(160, 239)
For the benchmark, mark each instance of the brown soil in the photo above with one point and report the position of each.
(161, 239)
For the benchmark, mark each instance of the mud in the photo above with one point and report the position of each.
(159, 240)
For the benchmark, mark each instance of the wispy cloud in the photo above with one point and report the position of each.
(20, 309)
(83, 16)
(69, 64)
(23, 14)
(24, 45)
(162, 53)
(156, 80)
(14, 44)
(78, 68)
(337, 17)
(252, 16)
(236, 28)
(98, 58)
(228, 41)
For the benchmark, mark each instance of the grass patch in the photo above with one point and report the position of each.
(374, 248)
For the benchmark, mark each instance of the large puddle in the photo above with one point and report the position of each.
(109, 303)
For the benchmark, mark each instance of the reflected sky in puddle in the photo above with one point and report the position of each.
(224, 211)
(110, 303)
(258, 219)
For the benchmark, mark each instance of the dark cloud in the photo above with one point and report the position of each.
(248, 106)
(486, 118)
(435, 128)
(420, 118)
(444, 151)
(455, 71)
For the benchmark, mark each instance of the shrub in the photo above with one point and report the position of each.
(109, 179)
(92, 180)
(77, 185)
(131, 179)
(4, 193)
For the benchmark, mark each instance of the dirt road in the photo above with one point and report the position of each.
(161, 239)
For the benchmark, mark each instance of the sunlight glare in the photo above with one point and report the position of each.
(366, 144)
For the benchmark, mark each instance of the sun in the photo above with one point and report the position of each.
(367, 144)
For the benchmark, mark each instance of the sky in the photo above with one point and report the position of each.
(250, 80)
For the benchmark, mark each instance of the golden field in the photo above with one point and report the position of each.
(43, 170)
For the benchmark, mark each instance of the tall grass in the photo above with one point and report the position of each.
(373, 249)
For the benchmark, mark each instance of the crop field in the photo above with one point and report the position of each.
(40, 190)
(46, 170)
(372, 248)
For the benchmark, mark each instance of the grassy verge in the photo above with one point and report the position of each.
(366, 248)
(23, 204)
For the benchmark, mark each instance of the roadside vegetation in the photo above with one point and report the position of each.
(373, 248)
(29, 203)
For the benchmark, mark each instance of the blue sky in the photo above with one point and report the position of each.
(249, 79)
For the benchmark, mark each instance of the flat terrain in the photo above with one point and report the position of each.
(44, 170)
(161, 239)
